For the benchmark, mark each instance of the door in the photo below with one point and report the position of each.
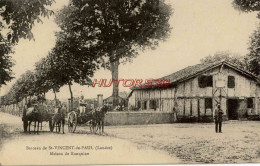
(233, 105)
(242, 109)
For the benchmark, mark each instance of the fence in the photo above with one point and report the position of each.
(13, 109)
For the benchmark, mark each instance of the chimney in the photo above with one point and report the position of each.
(100, 100)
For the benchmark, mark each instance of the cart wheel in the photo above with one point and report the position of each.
(51, 126)
(72, 122)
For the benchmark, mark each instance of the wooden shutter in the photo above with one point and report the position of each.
(231, 81)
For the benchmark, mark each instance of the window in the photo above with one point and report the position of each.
(153, 104)
(231, 81)
(145, 105)
(208, 103)
(139, 104)
(250, 103)
(205, 81)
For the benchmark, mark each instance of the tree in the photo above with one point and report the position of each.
(16, 21)
(119, 28)
(67, 63)
(14, 93)
(27, 83)
(247, 5)
(62, 66)
(5, 62)
(253, 58)
(227, 56)
(22, 88)
(20, 15)
(46, 76)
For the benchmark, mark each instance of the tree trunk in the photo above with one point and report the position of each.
(71, 96)
(55, 97)
(26, 100)
(44, 97)
(114, 71)
(30, 99)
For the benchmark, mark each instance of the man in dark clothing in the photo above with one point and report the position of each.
(218, 119)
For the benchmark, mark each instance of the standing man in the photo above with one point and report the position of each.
(174, 111)
(218, 119)
(81, 105)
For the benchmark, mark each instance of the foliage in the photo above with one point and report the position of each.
(63, 65)
(253, 58)
(42, 72)
(5, 62)
(46, 75)
(22, 88)
(71, 61)
(118, 29)
(17, 18)
(27, 84)
(92, 31)
(226, 56)
(247, 5)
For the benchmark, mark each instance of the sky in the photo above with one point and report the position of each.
(199, 28)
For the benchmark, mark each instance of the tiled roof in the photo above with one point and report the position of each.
(192, 71)
(189, 71)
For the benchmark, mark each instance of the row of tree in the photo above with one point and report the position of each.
(94, 34)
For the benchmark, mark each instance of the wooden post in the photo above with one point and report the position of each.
(148, 105)
(100, 100)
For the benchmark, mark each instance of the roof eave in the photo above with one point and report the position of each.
(202, 71)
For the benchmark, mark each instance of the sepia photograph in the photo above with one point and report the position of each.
(101, 82)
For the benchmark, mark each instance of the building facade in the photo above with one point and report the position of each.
(195, 91)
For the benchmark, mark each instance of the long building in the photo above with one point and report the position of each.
(194, 91)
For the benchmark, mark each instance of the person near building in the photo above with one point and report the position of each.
(218, 119)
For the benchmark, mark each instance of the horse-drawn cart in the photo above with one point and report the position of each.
(94, 118)
(37, 113)
(80, 116)
(49, 118)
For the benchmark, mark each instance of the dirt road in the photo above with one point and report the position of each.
(162, 143)
(198, 142)
(78, 148)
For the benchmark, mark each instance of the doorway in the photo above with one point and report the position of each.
(232, 107)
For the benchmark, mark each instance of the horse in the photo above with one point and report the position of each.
(31, 114)
(99, 117)
(87, 116)
(59, 118)
(44, 113)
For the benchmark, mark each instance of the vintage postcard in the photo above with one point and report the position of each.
(129, 82)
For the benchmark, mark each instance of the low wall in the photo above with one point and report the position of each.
(137, 118)
(201, 119)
